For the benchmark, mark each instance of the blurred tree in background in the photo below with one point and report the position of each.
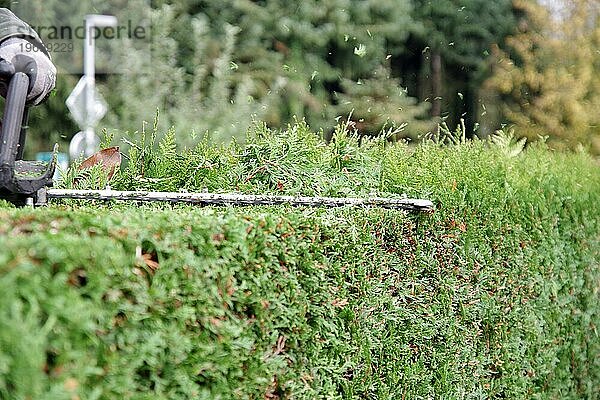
(298, 58)
(190, 77)
(454, 38)
(213, 67)
(548, 79)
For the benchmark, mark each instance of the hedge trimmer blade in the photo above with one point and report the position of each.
(217, 199)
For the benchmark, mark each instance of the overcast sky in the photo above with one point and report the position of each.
(554, 5)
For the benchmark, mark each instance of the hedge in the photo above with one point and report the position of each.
(494, 295)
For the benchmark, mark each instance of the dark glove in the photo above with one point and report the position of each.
(7, 70)
(14, 57)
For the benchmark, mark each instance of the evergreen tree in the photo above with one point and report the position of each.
(548, 81)
(303, 52)
(200, 94)
(217, 65)
(380, 102)
(453, 41)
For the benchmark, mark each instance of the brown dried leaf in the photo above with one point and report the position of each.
(339, 303)
(230, 287)
(71, 384)
(77, 278)
(272, 389)
(151, 261)
(280, 345)
(218, 237)
(109, 159)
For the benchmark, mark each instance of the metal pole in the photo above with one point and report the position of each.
(92, 22)
(89, 72)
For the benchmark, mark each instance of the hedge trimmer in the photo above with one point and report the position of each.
(30, 182)
(20, 180)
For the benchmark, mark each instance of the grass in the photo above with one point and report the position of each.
(495, 295)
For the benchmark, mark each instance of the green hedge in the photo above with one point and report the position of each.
(495, 295)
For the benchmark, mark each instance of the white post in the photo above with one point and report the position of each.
(92, 21)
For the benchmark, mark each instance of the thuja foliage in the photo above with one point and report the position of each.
(495, 295)
(292, 161)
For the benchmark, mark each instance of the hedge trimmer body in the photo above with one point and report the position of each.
(20, 180)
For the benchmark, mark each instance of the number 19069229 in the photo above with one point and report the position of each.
(57, 47)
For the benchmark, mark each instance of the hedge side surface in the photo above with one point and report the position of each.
(494, 295)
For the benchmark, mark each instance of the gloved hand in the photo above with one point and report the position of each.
(14, 57)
